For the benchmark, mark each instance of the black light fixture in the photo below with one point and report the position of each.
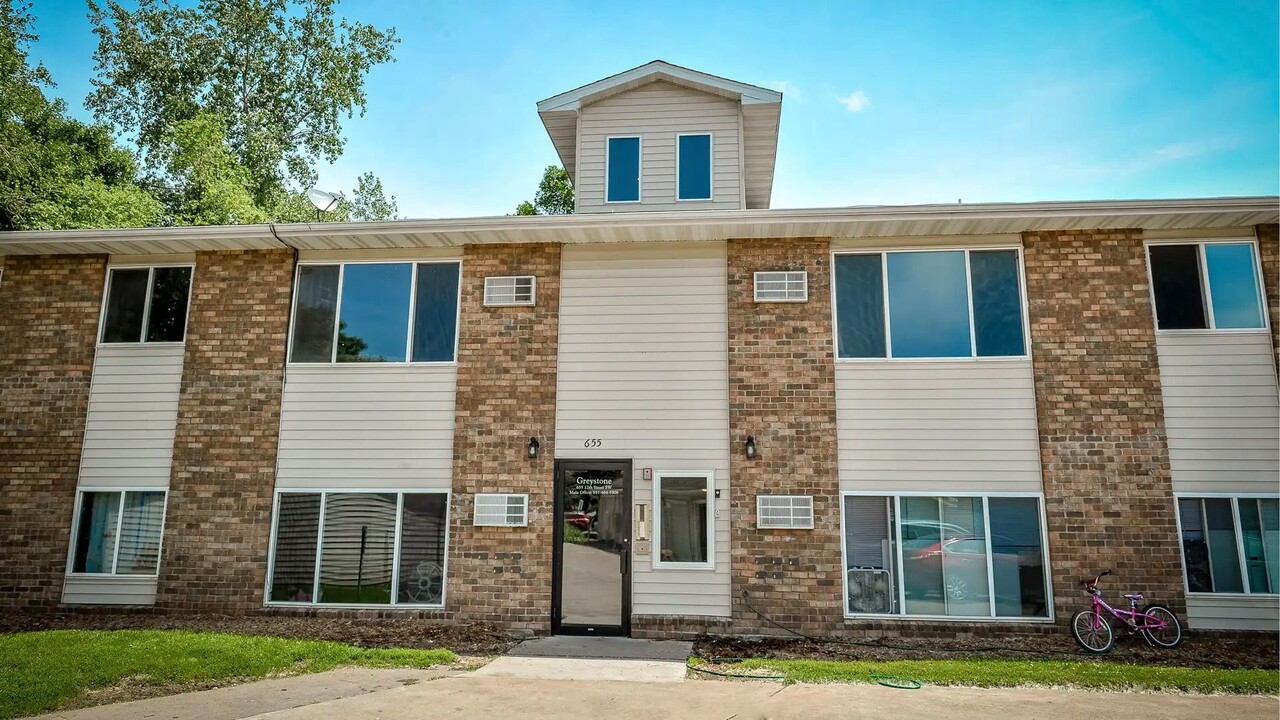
(751, 447)
(533, 447)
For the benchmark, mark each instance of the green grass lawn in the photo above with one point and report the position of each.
(39, 671)
(1005, 673)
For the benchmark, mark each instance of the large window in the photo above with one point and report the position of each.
(693, 160)
(929, 304)
(117, 532)
(1204, 286)
(1231, 544)
(684, 524)
(359, 548)
(622, 181)
(375, 312)
(147, 304)
(944, 556)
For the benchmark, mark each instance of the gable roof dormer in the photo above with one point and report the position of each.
(749, 150)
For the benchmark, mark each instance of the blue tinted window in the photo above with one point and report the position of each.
(997, 302)
(928, 305)
(1233, 285)
(859, 306)
(435, 312)
(374, 321)
(695, 167)
(624, 169)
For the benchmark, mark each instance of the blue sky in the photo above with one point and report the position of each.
(884, 103)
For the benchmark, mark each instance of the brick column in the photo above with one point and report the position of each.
(1269, 249)
(782, 392)
(506, 393)
(224, 453)
(1107, 484)
(49, 309)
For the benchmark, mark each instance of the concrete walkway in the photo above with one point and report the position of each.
(469, 696)
(594, 658)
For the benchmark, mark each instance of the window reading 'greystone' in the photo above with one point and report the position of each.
(146, 305)
(376, 313)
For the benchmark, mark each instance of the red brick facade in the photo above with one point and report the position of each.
(1269, 249)
(224, 451)
(1107, 483)
(48, 328)
(782, 393)
(506, 394)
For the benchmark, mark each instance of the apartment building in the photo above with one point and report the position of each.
(674, 411)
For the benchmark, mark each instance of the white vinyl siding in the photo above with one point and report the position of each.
(957, 427)
(1222, 411)
(643, 367)
(109, 590)
(1233, 612)
(133, 413)
(384, 426)
(658, 112)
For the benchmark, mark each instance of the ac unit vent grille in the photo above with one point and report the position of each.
(784, 512)
(502, 510)
(789, 286)
(513, 290)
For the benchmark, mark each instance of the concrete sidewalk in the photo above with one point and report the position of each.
(470, 696)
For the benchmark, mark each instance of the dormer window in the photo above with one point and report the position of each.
(623, 171)
(693, 158)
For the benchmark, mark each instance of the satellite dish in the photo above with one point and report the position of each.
(324, 201)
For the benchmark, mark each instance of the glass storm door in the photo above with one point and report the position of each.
(592, 593)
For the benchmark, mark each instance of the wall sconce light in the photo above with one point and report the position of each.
(751, 447)
(533, 447)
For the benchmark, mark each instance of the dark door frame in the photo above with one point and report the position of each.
(557, 552)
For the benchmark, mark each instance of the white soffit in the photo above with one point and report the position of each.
(673, 226)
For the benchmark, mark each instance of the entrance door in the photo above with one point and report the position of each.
(591, 594)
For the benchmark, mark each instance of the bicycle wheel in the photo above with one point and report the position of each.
(1168, 637)
(1092, 632)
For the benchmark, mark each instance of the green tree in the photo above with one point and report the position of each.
(554, 195)
(370, 201)
(280, 74)
(210, 187)
(57, 172)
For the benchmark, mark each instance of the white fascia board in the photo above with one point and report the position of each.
(574, 99)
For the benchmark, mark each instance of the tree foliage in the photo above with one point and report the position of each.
(281, 76)
(554, 195)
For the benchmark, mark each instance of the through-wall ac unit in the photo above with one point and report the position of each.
(784, 512)
(513, 290)
(782, 286)
(501, 510)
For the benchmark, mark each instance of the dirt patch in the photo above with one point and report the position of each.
(462, 638)
(1195, 651)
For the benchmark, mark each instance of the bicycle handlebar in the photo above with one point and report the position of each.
(1094, 580)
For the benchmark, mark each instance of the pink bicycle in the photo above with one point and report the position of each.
(1092, 630)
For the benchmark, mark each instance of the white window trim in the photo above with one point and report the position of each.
(888, 336)
(639, 168)
(75, 531)
(413, 301)
(146, 307)
(755, 286)
(1235, 516)
(395, 566)
(658, 563)
(1206, 295)
(533, 291)
(900, 603)
(711, 166)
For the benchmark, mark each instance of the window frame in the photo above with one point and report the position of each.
(337, 312)
(146, 311)
(711, 166)
(900, 591)
(888, 325)
(324, 494)
(639, 169)
(709, 477)
(1240, 554)
(1206, 290)
(115, 558)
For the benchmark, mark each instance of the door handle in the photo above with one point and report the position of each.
(623, 559)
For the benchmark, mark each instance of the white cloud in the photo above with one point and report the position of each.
(786, 87)
(855, 102)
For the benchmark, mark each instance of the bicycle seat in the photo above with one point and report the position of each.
(1135, 596)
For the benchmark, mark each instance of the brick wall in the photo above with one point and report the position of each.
(224, 452)
(1269, 249)
(506, 393)
(782, 392)
(1107, 483)
(49, 309)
